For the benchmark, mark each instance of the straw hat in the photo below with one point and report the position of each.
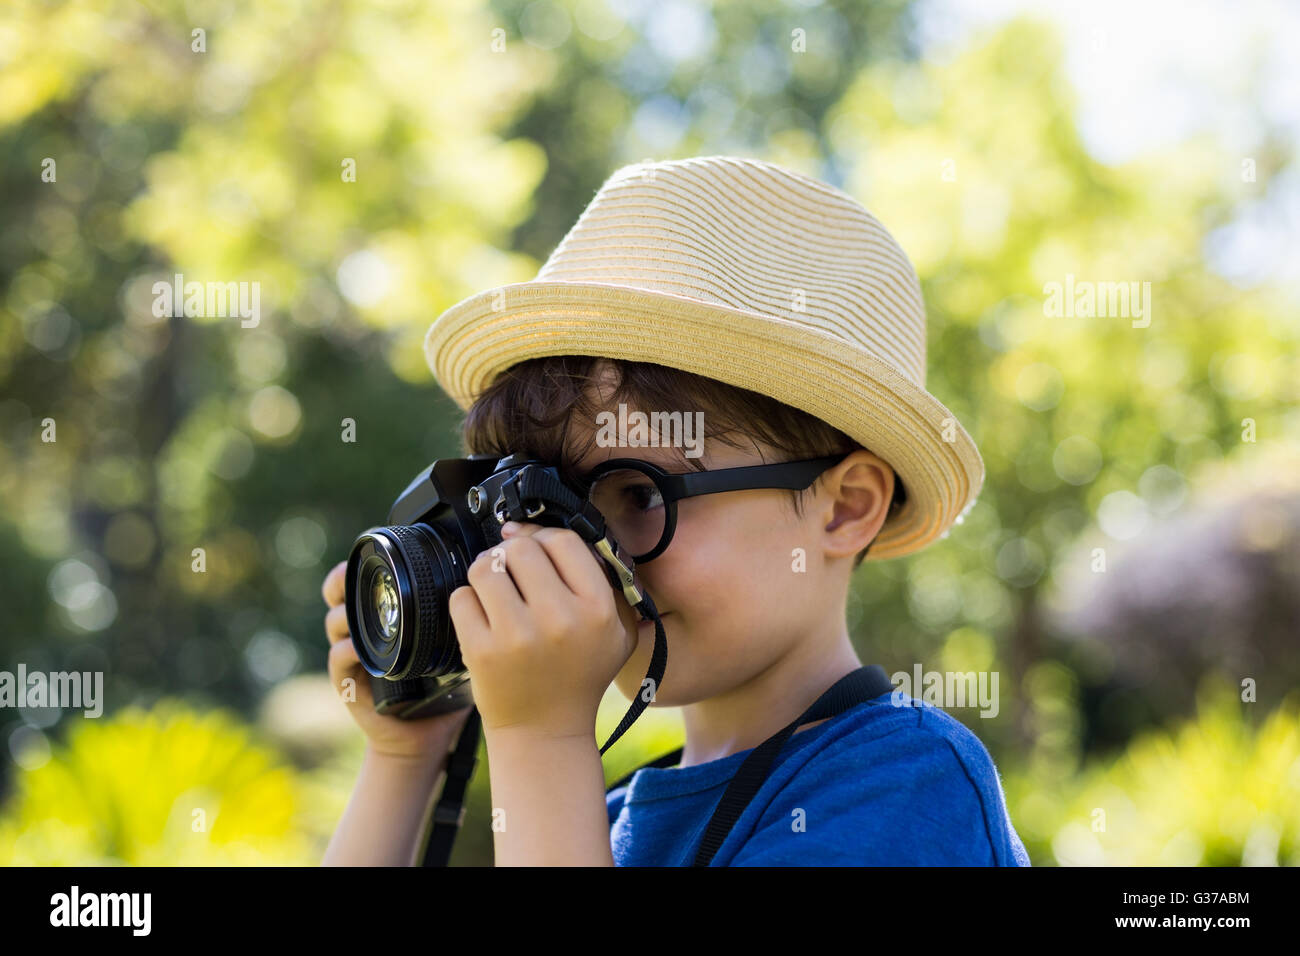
(753, 275)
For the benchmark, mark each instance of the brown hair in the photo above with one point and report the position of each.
(529, 408)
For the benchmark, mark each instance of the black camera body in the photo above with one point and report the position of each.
(401, 575)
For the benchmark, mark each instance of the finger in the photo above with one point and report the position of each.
(502, 604)
(332, 588)
(575, 581)
(344, 663)
(574, 560)
(466, 611)
(535, 577)
(515, 529)
(336, 624)
(344, 653)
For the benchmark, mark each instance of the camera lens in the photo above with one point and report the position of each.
(399, 579)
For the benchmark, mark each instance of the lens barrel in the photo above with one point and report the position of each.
(398, 582)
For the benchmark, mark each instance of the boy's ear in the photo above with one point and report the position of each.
(855, 500)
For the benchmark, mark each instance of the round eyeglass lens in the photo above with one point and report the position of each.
(632, 507)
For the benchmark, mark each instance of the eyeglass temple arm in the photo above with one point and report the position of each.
(795, 475)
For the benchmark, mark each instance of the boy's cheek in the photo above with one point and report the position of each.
(629, 680)
(625, 682)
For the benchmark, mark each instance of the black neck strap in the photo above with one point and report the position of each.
(863, 684)
(450, 810)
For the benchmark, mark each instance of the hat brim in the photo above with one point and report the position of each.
(845, 386)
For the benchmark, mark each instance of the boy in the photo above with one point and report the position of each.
(783, 314)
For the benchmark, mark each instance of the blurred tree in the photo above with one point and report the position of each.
(1211, 590)
(645, 79)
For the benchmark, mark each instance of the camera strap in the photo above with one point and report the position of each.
(450, 811)
(856, 687)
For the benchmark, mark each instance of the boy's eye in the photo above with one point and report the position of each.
(633, 507)
(643, 495)
(625, 490)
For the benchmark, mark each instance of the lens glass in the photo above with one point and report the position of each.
(633, 509)
(379, 598)
(386, 603)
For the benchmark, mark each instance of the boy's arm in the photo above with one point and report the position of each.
(548, 800)
(387, 812)
(542, 642)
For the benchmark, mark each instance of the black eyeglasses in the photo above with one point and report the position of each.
(639, 500)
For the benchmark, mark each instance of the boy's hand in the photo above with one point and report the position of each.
(541, 632)
(425, 738)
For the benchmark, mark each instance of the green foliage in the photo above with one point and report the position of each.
(1220, 790)
(171, 786)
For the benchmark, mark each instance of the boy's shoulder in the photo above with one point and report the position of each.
(908, 769)
(895, 729)
(910, 724)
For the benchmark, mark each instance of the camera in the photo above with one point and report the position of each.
(401, 575)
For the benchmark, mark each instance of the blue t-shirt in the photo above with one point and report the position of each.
(878, 785)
